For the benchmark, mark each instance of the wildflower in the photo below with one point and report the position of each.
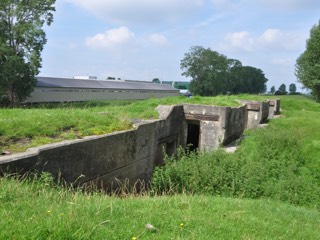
(181, 225)
(134, 238)
(49, 211)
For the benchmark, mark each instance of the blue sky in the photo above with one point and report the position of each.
(146, 39)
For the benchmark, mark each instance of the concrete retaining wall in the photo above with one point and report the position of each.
(105, 159)
(127, 154)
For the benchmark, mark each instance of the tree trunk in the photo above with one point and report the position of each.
(10, 94)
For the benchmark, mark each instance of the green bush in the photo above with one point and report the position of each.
(197, 173)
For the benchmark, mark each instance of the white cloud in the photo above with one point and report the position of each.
(111, 38)
(270, 40)
(271, 36)
(240, 40)
(276, 39)
(158, 40)
(140, 11)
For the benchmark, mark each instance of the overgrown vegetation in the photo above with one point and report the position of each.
(279, 162)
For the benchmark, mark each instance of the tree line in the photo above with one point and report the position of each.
(213, 73)
(282, 90)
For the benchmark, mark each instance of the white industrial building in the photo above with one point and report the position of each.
(49, 89)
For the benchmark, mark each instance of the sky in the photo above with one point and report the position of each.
(147, 39)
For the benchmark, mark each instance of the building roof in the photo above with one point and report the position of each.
(51, 82)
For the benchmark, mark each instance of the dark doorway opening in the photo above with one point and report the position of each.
(193, 135)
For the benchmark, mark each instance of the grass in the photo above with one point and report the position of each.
(277, 166)
(37, 210)
(31, 126)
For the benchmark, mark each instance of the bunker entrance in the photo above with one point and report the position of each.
(193, 135)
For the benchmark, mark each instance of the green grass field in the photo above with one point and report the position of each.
(36, 210)
(268, 189)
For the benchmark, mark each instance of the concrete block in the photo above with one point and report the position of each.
(257, 113)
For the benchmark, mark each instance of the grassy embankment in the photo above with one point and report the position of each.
(279, 165)
(22, 128)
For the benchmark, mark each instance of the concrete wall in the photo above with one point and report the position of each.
(257, 113)
(274, 107)
(128, 154)
(132, 155)
(105, 159)
(218, 125)
(170, 131)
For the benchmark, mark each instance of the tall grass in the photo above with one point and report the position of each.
(36, 209)
(280, 162)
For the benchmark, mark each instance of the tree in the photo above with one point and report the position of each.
(213, 73)
(248, 79)
(265, 88)
(292, 88)
(273, 89)
(308, 63)
(156, 80)
(208, 70)
(281, 90)
(21, 43)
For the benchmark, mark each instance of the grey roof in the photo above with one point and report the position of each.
(99, 84)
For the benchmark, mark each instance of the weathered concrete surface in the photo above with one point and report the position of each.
(170, 131)
(90, 157)
(107, 158)
(218, 125)
(274, 108)
(257, 113)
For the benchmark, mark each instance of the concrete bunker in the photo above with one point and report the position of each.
(257, 113)
(107, 159)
